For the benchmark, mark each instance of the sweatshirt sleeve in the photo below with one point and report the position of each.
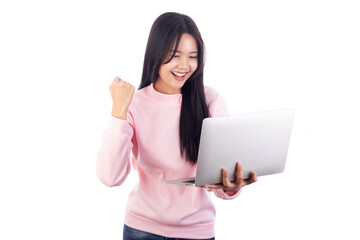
(113, 159)
(218, 108)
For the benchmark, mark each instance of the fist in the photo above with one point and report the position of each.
(122, 93)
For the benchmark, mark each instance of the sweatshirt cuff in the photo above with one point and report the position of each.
(221, 193)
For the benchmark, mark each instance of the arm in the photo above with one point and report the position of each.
(113, 159)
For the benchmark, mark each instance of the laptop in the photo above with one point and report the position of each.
(259, 141)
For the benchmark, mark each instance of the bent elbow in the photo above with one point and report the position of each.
(111, 181)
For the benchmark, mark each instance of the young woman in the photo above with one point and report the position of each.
(161, 125)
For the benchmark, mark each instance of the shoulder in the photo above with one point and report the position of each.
(215, 102)
(212, 95)
(210, 90)
(140, 95)
(138, 100)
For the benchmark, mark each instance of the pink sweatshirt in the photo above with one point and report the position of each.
(151, 132)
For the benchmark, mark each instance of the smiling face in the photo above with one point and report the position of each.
(174, 74)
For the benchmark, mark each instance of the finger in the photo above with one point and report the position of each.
(252, 179)
(225, 178)
(117, 79)
(119, 82)
(239, 174)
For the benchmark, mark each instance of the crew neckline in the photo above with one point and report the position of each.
(171, 100)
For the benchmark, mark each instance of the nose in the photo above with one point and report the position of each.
(183, 63)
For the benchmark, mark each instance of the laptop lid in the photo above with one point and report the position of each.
(259, 141)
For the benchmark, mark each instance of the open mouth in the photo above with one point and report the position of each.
(179, 76)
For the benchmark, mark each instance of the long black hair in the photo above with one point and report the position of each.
(165, 33)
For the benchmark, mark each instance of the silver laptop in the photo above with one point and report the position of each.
(259, 141)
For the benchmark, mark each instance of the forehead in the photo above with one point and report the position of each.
(187, 43)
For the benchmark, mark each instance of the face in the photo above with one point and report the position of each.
(173, 75)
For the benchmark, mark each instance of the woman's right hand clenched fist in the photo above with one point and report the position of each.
(122, 93)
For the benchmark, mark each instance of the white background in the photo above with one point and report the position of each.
(58, 58)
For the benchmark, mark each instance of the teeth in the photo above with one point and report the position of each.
(178, 74)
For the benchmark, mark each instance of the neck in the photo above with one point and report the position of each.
(165, 89)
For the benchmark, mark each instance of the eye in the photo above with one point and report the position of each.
(193, 56)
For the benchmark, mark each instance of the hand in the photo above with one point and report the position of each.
(233, 186)
(122, 93)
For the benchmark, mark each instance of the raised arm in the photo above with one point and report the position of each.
(113, 159)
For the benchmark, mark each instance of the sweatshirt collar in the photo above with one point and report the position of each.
(170, 100)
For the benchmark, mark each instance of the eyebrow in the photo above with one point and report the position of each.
(181, 52)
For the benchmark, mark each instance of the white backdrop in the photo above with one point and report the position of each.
(58, 58)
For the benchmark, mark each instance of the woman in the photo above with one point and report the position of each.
(161, 125)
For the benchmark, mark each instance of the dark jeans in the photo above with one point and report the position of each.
(134, 234)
